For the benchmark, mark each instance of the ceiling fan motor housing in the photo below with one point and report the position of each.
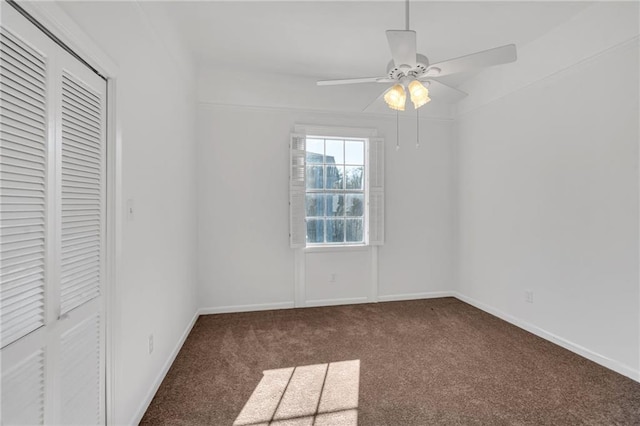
(397, 72)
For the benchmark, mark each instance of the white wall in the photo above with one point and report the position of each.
(346, 277)
(155, 95)
(244, 257)
(548, 187)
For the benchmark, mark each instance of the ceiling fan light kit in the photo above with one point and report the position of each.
(419, 94)
(396, 97)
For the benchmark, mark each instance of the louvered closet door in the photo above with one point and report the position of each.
(52, 132)
(81, 160)
(23, 126)
(25, 219)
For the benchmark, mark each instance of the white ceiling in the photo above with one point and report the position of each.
(324, 39)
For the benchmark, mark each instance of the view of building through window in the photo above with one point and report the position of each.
(335, 190)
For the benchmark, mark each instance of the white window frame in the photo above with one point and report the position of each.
(344, 191)
(374, 212)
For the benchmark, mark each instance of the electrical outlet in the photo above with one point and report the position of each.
(528, 296)
(333, 277)
(150, 344)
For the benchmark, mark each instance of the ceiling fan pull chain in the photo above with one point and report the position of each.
(397, 132)
(417, 128)
(407, 16)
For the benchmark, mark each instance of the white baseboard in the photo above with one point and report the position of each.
(335, 302)
(163, 372)
(246, 308)
(609, 363)
(415, 296)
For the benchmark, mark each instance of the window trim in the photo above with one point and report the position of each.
(335, 131)
(323, 248)
(374, 197)
(342, 132)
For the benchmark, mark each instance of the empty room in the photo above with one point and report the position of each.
(333, 213)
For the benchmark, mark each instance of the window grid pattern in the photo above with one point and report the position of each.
(335, 191)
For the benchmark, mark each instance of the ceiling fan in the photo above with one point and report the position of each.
(411, 70)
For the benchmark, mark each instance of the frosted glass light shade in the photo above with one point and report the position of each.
(419, 94)
(396, 97)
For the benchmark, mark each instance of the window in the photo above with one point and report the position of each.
(335, 191)
(336, 194)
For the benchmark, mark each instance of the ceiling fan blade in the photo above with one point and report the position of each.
(443, 93)
(486, 58)
(354, 81)
(403, 47)
(375, 102)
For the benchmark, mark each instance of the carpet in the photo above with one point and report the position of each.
(305, 395)
(421, 362)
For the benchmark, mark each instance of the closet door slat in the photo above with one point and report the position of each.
(80, 373)
(81, 192)
(22, 188)
(24, 405)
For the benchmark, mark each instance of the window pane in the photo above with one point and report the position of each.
(315, 204)
(335, 230)
(354, 152)
(354, 230)
(335, 205)
(314, 177)
(355, 204)
(354, 177)
(315, 230)
(315, 151)
(335, 151)
(335, 177)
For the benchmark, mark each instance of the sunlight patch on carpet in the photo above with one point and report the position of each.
(320, 394)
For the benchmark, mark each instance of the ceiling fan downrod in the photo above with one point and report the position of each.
(407, 15)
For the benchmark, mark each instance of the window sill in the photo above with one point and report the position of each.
(336, 248)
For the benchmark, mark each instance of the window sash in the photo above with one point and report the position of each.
(373, 188)
(326, 218)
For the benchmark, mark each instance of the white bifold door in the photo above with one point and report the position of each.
(52, 231)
